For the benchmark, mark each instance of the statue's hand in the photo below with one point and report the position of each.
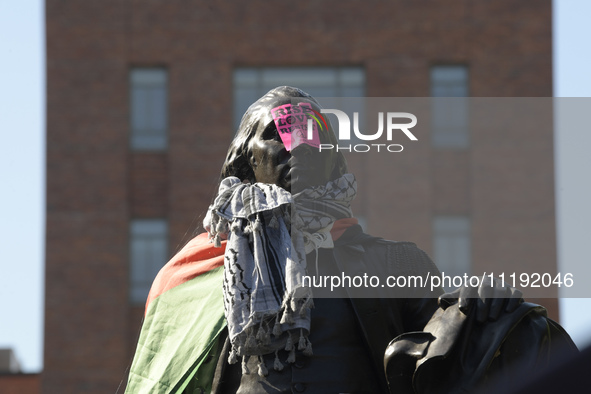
(488, 300)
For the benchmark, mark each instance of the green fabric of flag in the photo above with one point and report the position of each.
(180, 330)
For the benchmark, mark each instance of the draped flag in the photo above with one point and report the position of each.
(183, 319)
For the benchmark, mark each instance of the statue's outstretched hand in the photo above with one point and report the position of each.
(488, 300)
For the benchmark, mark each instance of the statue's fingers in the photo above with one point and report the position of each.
(497, 303)
(482, 309)
(485, 297)
(467, 296)
(514, 301)
(447, 299)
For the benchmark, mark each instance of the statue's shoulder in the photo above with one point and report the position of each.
(402, 250)
(358, 236)
(199, 248)
(401, 245)
(399, 257)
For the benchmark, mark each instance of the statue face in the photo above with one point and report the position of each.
(303, 167)
(268, 157)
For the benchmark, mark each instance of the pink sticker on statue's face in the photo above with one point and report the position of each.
(297, 124)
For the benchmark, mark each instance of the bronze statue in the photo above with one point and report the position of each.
(281, 215)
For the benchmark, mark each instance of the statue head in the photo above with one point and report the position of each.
(257, 153)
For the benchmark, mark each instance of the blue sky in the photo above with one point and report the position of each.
(22, 179)
(22, 170)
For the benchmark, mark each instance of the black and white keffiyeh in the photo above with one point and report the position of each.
(269, 233)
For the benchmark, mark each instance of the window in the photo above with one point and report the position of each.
(451, 245)
(251, 83)
(148, 253)
(449, 110)
(149, 108)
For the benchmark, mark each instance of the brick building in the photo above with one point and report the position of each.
(12, 380)
(20, 383)
(142, 100)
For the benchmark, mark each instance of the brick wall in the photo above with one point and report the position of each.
(95, 185)
(20, 383)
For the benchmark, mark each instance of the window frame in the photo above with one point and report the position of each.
(142, 270)
(143, 138)
(450, 132)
